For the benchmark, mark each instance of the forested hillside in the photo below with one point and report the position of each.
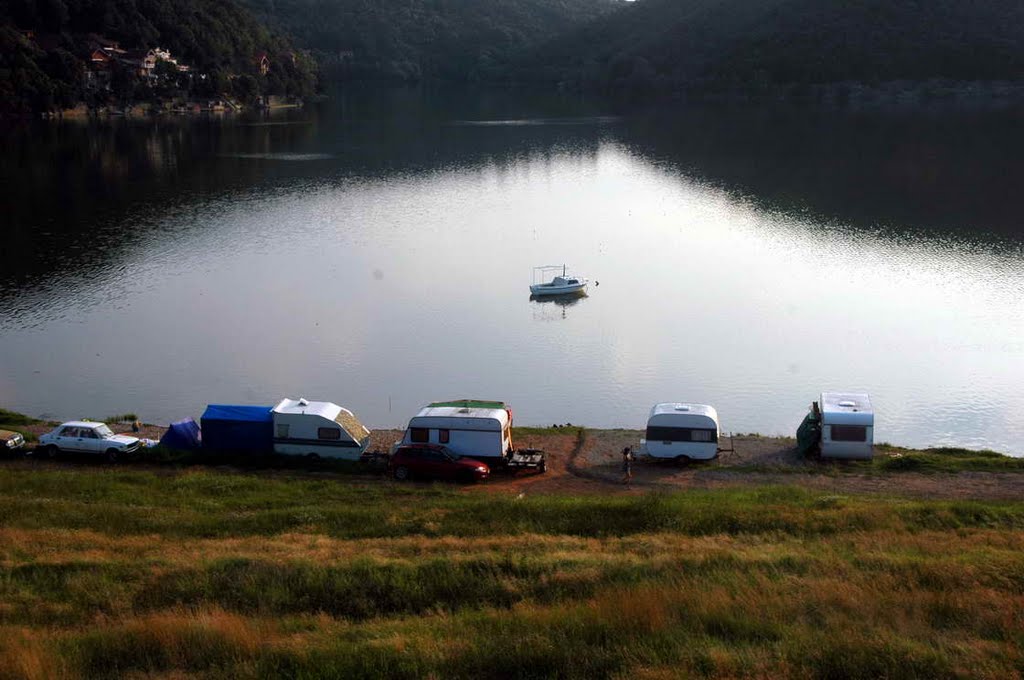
(642, 47)
(413, 39)
(685, 44)
(47, 48)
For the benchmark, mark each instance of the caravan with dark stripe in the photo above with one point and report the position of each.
(319, 428)
(476, 428)
(680, 432)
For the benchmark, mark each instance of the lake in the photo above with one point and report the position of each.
(376, 250)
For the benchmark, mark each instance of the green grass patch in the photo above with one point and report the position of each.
(12, 420)
(121, 418)
(893, 459)
(208, 503)
(952, 460)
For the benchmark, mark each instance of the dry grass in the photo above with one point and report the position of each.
(25, 656)
(276, 578)
(926, 604)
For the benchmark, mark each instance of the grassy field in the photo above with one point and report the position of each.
(108, 572)
(898, 459)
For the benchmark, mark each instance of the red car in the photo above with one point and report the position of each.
(431, 460)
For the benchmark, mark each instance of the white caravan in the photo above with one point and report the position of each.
(681, 431)
(469, 427)
(320, 428)
(847, 425)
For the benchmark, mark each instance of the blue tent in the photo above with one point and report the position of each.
(228, 427)
(183, 435)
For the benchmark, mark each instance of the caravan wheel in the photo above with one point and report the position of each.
(683, 461)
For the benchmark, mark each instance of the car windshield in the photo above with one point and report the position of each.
(451, 455)
(104, 431)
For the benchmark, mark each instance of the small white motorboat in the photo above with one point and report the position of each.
(561, 284)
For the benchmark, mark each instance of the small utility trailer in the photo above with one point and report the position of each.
(375, 459)
(527, 459)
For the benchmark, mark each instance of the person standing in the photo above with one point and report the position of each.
(627, 465)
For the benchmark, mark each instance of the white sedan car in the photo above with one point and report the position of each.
(82, 436)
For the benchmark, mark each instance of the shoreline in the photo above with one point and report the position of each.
(586, 461)
(921, 96)
(30, 425)
(154, 431)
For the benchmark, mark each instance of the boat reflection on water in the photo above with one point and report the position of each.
(546, 303)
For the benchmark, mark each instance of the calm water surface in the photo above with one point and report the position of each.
(376, 251)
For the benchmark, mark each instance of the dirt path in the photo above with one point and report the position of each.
(561, 476)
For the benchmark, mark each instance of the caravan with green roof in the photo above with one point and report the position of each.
(476, 428)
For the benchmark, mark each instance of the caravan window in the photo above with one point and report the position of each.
(328, 433)
(443, 436)
(420, 435)
(680, 434)
(849, 433)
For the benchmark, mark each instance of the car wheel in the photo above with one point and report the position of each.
(48, 452)
(401, 473)
(465, 478)
(111, 456)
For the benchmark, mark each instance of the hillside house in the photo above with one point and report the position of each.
(97, 73)
(100, 59)
(140, 62)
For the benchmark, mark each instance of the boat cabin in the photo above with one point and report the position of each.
(303, 427)
(469, 427)
(680, 431)
(847, 425)
(561, 284)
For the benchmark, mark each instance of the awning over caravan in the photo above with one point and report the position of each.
(183, 435)
(229, 427)
(248, 414)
